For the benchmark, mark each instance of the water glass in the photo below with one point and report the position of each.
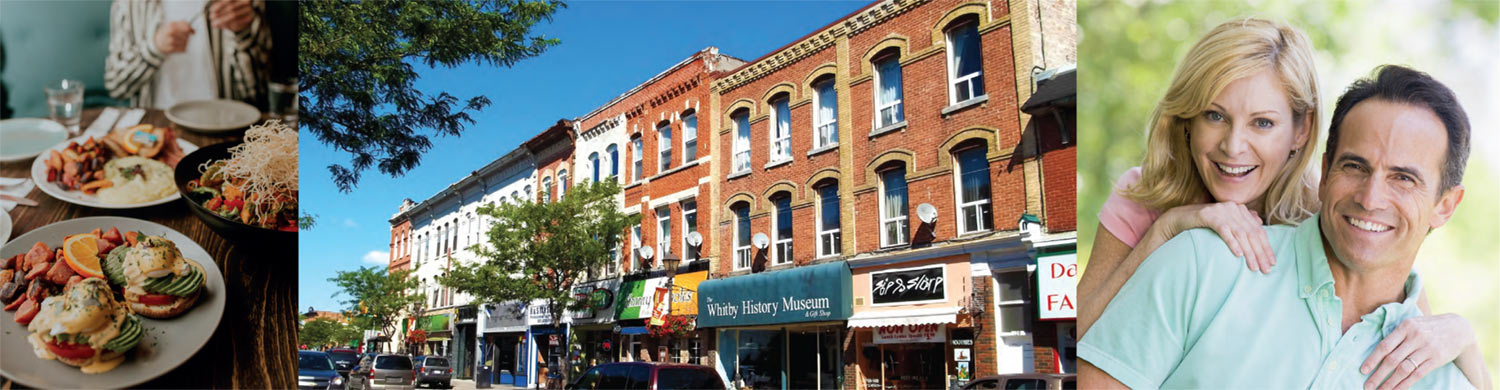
(282, 101)
(65, 103)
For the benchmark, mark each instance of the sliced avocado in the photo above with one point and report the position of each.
(180, 285)
(114, 265)
(130, 335)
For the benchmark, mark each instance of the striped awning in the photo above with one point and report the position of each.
(933, 315)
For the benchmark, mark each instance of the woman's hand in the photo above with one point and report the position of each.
(1415, 348)
(1240, 228)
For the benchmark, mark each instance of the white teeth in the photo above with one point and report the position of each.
(1367, 225)
(1234, 171)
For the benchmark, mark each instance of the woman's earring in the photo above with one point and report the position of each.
(1293, 154)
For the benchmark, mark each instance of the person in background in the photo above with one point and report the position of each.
(166, 52)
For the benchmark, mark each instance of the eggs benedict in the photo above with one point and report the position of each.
(158, 282)
(85, 327)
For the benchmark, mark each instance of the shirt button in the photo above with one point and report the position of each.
(1307, 289)
(1333, 366)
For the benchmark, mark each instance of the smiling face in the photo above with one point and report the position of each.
(1380, 189)
(1243, 139)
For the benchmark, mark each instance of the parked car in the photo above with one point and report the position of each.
(644, 376)
(344, 359)
(1025, 381)
(382, 372)
(433, 370)
(315, 372)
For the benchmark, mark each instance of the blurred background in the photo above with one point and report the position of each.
(1133, 46)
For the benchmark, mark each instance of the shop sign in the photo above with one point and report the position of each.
(539, 313)
(637, 298)
(685, 292)
(924, 284)
(507, 317)
(434, 323)
(803, 294)
(659, 306)
(902, 334)
(596, 297)
(1057, 286)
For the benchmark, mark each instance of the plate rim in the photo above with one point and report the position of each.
(218, 298)
(24, 156)
(39, 176)
(6, 227)
(188, 125)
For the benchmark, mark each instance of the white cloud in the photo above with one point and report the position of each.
(349, 223)
(378, 257)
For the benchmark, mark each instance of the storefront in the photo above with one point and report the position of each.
(439, 327)
(782, 329)
(504, 343)
(657, 319)
(593, 337)
(1057, 312)
(548, 344)
(911, 324)
(464, 341)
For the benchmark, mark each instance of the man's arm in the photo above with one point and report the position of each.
(133, 57)
(1090, 377)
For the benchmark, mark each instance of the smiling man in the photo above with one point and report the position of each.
(1193, 316)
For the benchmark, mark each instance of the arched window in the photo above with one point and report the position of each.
(893, 224)
(830, 238)
(741, 236)
(965, 67)
(741, 121)
(529, 193)
(635, 158)
(594, 162)
(782, 235)
(781, 128)
(562, 183)
(546, 189)
(973, 190)
(614, 160)
(825, 114)
(888, 107)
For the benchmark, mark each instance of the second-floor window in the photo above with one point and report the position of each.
(614, 160)
(741, 141)
(664, 142)
(888, 108)
(594, 162)
(974, 191)
(830, 240)
(742, 237)
(663, 232)
(825, 114)
(546, 189)
(893, 224)
(689, 138)
(781, 129)
(562, 184)
(635, 158)
(635, 246)
(782, 253)
(965, 70)
(689, 225)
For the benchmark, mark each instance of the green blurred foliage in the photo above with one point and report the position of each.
(1130, 49)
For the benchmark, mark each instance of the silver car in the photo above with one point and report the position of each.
(433, 370)
(382, 372)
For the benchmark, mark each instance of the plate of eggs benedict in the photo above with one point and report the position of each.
(104, 302)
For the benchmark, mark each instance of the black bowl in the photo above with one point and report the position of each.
(230, 229)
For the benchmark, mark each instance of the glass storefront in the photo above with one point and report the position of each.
(806, 357)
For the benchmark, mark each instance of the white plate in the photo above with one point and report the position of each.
(165, 344)
(5, 226)
(24, 138)
(213, 116)
(39, 175)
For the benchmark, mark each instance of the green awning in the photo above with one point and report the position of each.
(805, 294)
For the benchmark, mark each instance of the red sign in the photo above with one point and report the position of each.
(659, 306)
(898, 334)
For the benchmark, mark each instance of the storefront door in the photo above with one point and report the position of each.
(812, 359)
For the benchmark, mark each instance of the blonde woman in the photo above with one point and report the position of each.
(1228, 149)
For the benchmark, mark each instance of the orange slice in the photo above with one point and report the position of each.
(82, 254)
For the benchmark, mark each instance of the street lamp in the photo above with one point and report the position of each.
(671, 261)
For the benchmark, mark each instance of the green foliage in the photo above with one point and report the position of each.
(359, 83)
(538, 250)
(307, 221)
(323, 331)
(377, 297)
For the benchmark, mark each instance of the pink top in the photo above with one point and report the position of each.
(1123, 217)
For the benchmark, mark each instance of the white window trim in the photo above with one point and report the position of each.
(686, 120)
(824, 231)
(819, 122)
(958, 199)
(953, 78)
(884, 220)
(664, 143)
(741, 249)
(741, 149)
(879, 105)
(636, 158)
(685, 217)
(780, 138)
(995, 290)
(663, 233)
(776, 241)
(562, 184)
(635, 245)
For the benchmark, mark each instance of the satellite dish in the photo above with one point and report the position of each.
(695, 239)
(760, 240)
(927, 213)
(646, 252)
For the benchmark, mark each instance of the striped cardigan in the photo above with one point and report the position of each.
(240, 59)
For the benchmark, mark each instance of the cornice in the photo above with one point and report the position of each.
(815, 42)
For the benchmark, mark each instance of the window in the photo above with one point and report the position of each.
(741, 141)
(689, 225)
(594, 162)
(635, 245)
(663, 232)
(635, 158)
(825, 118)
(974, 191)
(547, 189)
(783, 240)
(664, 142)
(562, 184)
(830, 240)
(515, 195)
(965, 71)
(781, 129)
(742, 237)
(1011, 301)
(528, 191)
(442, 241)
(888, 108)
(893, 207)
(614, 160)
(689, 138)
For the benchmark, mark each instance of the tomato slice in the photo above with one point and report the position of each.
(156, 299)
(70, 350)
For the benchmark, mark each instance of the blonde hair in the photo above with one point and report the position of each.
(1232, 51)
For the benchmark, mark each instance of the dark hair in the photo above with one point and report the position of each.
(1399, 84)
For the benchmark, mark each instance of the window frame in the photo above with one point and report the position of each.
(743, 257)
(636, 159)
(953, 77)
(779, 129)
(900, 90)
(781, 248)
(664, 146)
(546, 187)
(635, 245)
(818, 122)
(689, 219)
(1000, 304)
(742, 154)
(562, 183)
(614, 161)
(902, 220)
(594, 161)
(689, 137)
(663, 233)
(961, 208)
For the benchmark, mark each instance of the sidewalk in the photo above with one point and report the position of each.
(467, 384)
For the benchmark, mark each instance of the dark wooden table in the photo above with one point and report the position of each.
(255, 345)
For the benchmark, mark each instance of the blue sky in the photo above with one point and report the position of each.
(607, 48)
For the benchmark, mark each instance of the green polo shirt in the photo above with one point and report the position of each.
(1194, 316)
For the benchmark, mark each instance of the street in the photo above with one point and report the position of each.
(467, 384)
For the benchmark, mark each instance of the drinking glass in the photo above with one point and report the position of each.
(282, 101)
(65, 103)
